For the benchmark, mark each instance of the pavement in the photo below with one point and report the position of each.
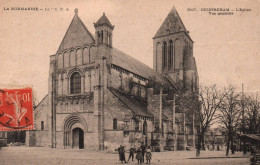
(21, 155)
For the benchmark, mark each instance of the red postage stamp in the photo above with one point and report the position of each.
(16, 109)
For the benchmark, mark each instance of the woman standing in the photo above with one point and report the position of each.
(139, 156)
(122, 154)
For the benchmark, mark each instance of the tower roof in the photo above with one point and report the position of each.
(171, 24)
(103, 20)
(76, 35)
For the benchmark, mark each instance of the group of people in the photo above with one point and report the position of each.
(141, 153)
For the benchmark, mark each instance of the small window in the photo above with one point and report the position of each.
(115, 124)
(137, 126)
(42, 125)
(144, 128)
(121, 80)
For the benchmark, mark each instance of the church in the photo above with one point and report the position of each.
(99, 97)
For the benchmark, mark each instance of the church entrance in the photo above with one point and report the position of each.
(78, 138)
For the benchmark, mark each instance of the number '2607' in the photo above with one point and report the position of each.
(191, 9)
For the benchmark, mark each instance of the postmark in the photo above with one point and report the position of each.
(16, 109)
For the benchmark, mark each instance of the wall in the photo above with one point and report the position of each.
(127, 82)
(39, 137)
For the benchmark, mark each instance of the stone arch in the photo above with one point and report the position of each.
(75, 70)
(66, 59)
(60, 60)
(91, 54)
(72, 122)
(79, 56)
(85, 55)
(72, 58)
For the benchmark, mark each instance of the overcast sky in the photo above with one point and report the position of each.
(226, 48)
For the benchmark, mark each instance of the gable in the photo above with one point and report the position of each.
(171, 24)
(76, 35)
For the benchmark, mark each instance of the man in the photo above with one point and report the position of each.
(143, 150)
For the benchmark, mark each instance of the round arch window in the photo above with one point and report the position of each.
(75, 83)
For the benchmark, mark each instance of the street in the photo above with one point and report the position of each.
(37, 155)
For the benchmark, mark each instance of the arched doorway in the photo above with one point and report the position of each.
(78, 138)
(75, 128)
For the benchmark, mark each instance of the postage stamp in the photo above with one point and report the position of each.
(16, 109)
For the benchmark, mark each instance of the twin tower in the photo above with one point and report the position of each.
(172, 49)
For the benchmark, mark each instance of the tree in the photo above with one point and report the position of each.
(252, 116)
(229, 114)
(210, 101)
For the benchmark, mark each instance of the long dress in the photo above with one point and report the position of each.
(122, 154)
(139, 155)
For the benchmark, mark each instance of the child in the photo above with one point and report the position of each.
(131, 154)
(148, 155)
(139, 156)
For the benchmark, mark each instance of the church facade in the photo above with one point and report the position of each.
(99, 97)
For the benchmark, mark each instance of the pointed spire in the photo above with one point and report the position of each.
(171, 24)
(103, 20)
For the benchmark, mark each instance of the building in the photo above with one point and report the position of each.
(99, 97)
(3, 138)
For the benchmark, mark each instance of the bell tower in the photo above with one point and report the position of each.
(104, 31)
(172, 51)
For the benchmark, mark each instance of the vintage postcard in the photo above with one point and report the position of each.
(129, 81)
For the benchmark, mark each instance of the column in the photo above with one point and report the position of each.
(68, 85)
(83, 84)
(105, 37)
(89, 79)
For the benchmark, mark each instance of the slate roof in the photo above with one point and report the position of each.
(131, 64)
(103, 21)
(172, 22)
(133, 104)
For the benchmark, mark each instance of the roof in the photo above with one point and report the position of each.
(45, 97)
(103, 21)
(252, 136)
(171, 24)
(77, 35)
(133, 104)
(131, 64)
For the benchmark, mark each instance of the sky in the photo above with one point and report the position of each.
(226, 47)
